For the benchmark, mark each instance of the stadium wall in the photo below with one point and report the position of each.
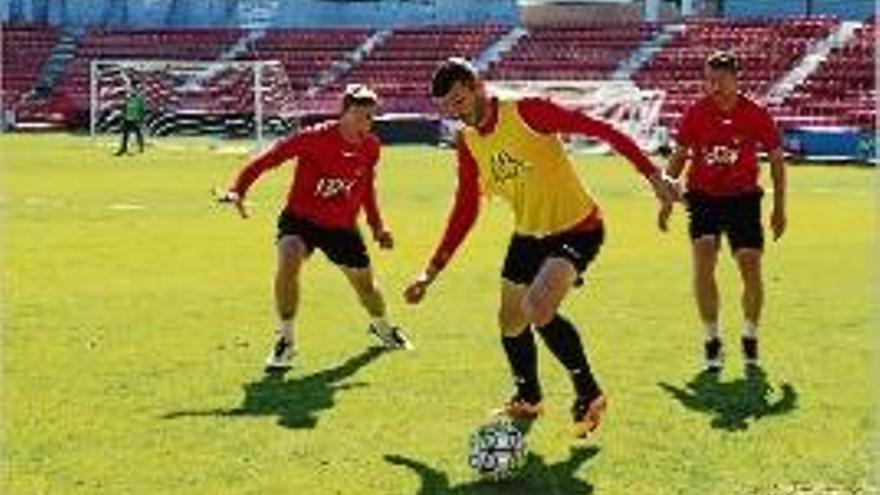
(233, 13)
(843, 144)
(844, 9)
(586, 13)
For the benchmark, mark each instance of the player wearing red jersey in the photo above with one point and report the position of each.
(334, 180)
(720, 135)
(512, 149)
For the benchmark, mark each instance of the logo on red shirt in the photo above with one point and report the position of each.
(720, 155)
(332, 187)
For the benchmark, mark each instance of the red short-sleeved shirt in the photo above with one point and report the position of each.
(724, 145)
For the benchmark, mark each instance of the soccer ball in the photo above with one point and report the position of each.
(497, 450)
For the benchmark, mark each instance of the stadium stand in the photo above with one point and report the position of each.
(571, 53)
(399, 68)
(842, 91)
(26, 48)
(306, 53)
(678, 68)
(160, 44)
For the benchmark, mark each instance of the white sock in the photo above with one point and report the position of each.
(750, 330)
(712, 331)
(285, 330)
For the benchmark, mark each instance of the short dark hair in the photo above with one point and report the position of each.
(722, 60)
(449, 72)
(358, 95)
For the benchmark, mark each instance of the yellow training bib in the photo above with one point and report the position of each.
(530, 171)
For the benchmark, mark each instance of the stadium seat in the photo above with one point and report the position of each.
(678, 68)
(571, 52)
(26, 49)
(841, 91)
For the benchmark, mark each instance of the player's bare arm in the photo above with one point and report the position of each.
(674, 169)
(778, 218)
(381, 234)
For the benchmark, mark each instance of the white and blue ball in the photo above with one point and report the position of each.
(497, 450)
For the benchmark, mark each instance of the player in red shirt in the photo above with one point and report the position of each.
(720, 136)
(334, 179)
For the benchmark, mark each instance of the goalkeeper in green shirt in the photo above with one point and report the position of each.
(133, 111)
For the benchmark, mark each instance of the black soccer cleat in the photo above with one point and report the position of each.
(714, 355)
(750, 350)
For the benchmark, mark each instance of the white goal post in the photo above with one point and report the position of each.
(245, 99)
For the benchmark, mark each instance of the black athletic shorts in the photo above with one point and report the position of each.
(739, 217)
(344, 247)
(526, 254)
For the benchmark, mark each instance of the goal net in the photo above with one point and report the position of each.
(630, 109)
(234, 99)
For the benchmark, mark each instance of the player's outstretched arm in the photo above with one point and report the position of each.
(464, 214)
(282, 150)
(547, 117)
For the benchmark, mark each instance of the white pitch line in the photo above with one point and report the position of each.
(126, 207)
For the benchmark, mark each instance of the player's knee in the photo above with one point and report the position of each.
(511, 321)
(705, 258)
(367, 288)
(292, 251)
(706, 246)
(749, 260)
(538, 310)
(750, 269)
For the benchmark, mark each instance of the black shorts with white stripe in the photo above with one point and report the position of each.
(527, 254)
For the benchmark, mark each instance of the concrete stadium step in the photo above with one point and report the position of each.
(812, 60)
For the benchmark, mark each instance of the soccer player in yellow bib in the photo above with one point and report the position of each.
(512, 149)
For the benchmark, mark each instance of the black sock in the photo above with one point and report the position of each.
(522, 354)
(564, 342)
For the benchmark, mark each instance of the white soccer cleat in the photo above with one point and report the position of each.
(390, 337)
(281, 355)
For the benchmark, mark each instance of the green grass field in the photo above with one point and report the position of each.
(136, 315)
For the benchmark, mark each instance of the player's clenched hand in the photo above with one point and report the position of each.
(415, 292)
(232, 197)
(778, 222)
(384, 239)
(663, 216)
(665, 189)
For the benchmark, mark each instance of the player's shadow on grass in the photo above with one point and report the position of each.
(733, 404)
(296, 401)
(536, 478)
